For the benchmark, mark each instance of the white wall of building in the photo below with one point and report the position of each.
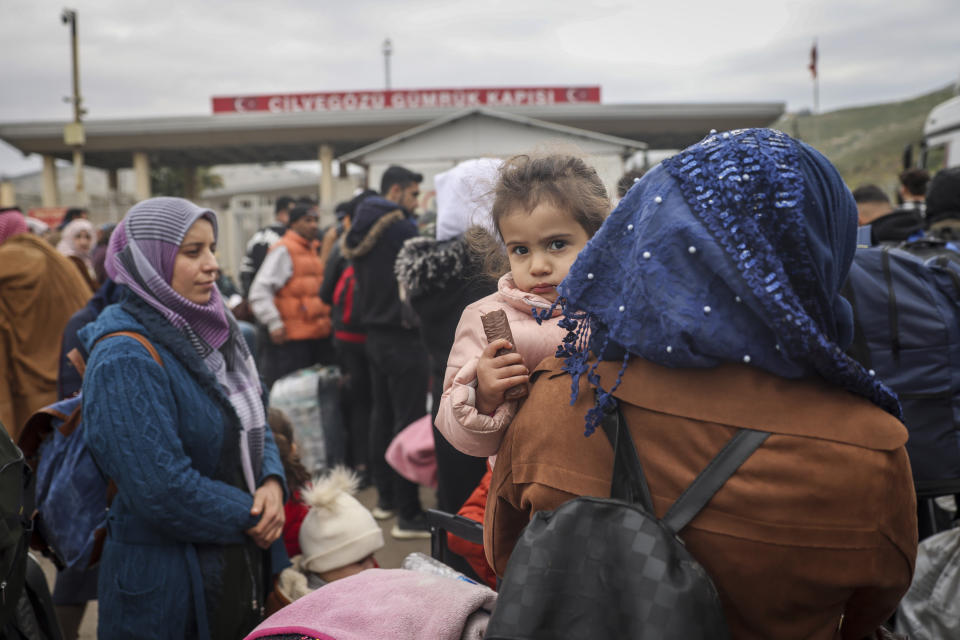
(480, 135)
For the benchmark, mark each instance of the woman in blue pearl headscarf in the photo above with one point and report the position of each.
(709, 302)
(733, 250)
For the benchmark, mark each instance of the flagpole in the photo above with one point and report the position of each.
(816, 95)
(816, 90)
(816, 78)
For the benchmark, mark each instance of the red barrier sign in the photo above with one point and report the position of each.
(406, 99)
(53, 216)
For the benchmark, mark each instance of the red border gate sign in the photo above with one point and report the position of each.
(406, 99)
(52, 216)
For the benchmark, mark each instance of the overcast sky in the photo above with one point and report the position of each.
(147, 58)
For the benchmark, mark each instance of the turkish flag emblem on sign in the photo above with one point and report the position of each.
(245, 104)
(579, 95)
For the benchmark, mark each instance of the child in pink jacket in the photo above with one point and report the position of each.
(544, 211)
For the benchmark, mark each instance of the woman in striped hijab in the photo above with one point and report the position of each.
(200, 483)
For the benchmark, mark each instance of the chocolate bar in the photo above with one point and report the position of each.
(496, 326)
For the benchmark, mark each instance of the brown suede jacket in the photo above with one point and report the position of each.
(815, 536)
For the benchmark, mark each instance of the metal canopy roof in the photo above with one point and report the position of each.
(268, 137)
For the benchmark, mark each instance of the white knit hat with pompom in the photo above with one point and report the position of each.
(338, 530)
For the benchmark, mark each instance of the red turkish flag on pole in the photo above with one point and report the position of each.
(813, 60)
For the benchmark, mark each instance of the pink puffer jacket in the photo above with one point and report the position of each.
(457, 419)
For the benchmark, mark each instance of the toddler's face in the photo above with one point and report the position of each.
(541, 246)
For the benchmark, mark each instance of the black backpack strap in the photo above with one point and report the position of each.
(714, 476)
(892, 314)
(629, 482)
(858, 348)
(943, 262)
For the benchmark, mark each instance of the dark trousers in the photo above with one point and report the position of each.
(355, 400)
(280, 359)
(457, 473)
(398, 385)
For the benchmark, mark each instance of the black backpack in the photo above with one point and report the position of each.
(16, 510)
(608, 568)
(906, 305)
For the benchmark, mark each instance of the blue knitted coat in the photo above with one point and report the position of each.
(164, 435)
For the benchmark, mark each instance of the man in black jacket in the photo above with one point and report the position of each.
(338, 290)
(913, 189)
(943, 205)
(398, 361)
(262, 240)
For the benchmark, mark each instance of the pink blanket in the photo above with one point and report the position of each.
(392, 604)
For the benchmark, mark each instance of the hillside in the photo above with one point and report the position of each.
(866, 143)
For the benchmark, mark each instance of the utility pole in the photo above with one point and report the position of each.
(73, 133)
(387, 50)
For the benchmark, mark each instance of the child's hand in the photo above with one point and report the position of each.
(497, 374)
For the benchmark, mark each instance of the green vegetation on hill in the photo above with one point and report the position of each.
(866, 143)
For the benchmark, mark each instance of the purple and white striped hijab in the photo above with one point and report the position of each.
(141, 255)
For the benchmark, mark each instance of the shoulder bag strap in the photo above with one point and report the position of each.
(714, 476)
(75, 356)
(629, 482)
(76, 359)
(139, 338)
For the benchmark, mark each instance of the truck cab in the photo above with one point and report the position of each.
(942, 129)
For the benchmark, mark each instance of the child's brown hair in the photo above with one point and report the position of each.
(563, 180)
(296, 474)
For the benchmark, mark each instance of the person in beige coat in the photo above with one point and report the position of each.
(709, 302)
(39, 291)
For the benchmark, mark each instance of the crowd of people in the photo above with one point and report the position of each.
(713, 298)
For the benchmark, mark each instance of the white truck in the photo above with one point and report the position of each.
(942, 128)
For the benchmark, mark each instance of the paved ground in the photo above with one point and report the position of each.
(389, 557)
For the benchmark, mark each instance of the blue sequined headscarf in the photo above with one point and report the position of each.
(734, 250)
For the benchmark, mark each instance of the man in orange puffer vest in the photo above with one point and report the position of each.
(285, 297)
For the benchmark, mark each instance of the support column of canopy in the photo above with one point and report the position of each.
(325, 155)
(50, 196)
(8, 195)
(141, 175)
